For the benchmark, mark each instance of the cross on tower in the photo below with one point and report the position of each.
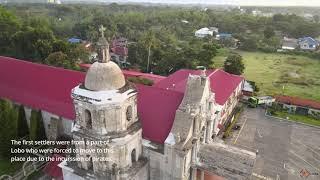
(102, 29)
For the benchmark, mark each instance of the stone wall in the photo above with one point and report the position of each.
(227, 161)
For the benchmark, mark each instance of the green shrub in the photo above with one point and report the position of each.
(140, 80)
(22, 125)
(37, 131)
(8, 127)
(238, 111)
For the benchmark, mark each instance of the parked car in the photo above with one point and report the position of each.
(236, 127)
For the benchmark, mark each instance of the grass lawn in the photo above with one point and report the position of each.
(8, 168)
(298, 118)
(299, 75)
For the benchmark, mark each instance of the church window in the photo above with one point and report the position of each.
(90, 163)
(129, 113)
(133, 155)
(88, 119)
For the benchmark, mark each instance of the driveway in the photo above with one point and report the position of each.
(284, 148)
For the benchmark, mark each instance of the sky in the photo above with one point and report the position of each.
(235, 2)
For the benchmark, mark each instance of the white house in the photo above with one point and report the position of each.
(204, 32)
(289, 43)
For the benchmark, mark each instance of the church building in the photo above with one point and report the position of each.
(167, 131)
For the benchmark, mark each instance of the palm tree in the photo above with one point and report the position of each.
(149, 41)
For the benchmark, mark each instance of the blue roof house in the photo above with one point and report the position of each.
(308, 43)
(222, 36)
(74, 40)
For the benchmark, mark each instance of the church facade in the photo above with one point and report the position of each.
(164, 132)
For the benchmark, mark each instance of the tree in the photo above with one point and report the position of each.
(58, 59)
(22, 125)
(249, 43)
(8, 128)
(149, 40)
(78, 53)
(31, 43)
(206, 54)
(9, 25)
(269, 32)
(233, 64)
(37, 131)
(61, 45)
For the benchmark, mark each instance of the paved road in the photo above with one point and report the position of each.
(284, 148)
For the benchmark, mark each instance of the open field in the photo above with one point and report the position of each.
(299, 75)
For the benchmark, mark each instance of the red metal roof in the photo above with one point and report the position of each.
(222, 83)
(52, 168)
(39, 86)
(157, 108)
(298, 101)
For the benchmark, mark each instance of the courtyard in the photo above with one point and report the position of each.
(283, 148)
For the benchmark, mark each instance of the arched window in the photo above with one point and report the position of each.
(88, 119)
(133, 156)
(90, 163)
(129, 113)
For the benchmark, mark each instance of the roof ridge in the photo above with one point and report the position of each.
(213, 72)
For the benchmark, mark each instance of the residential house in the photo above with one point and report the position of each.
(299, 106)
(256, 12)
(228, 40)
(54, 1)
(120, 42)
(185, 21)
(248, 90)
(308, 43)
(221, 36)
(204, 32)
(289, 43)
(74, 40)
(214, 29)
(119, 51)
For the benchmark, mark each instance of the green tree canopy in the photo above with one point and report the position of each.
(33, 43)
(233, 64)
(9, 24)
(37, 131)
(58, 59)
(8, 128)
(22, 125)
(269, 32)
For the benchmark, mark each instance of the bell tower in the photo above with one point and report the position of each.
(107, 123)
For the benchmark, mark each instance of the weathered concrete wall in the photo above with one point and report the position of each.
(226, 161)
(111, 117)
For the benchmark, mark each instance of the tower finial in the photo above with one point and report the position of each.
(102, 29)
(103, 47)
